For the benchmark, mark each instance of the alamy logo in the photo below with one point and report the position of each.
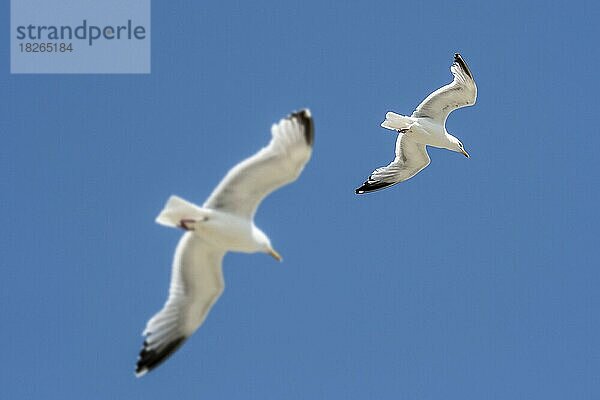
(62, 36)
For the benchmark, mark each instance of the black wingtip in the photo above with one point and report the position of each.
(150, 359)
(373, 186)
(305, 118)
(458, 59)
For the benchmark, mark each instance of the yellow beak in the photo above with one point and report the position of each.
(465, 153)
(275, 255)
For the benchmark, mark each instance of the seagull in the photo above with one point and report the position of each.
(425, 127)
(224, 223)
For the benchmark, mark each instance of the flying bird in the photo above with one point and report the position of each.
(224, 223)
(425, 127)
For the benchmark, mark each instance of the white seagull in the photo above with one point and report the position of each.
(425, 127)
(224, 223)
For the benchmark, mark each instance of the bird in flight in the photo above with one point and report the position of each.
(425, 127)
(224, 223)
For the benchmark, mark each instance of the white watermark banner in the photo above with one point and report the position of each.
(80, 36)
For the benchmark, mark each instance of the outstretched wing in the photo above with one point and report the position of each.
(281, 162)
(461, 92)
(196, 284)
(411, 157)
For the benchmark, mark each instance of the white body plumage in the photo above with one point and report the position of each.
(225, 222)
(425, 127)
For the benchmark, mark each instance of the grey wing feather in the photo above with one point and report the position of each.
(461, 92)
(411, 158)
(196, 284)
(275, 165)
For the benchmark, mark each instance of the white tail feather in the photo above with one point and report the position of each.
(395, 121)
(177, 209)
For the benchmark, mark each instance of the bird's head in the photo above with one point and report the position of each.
(264, 244)
(457, 146)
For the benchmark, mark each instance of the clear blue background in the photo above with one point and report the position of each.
(477, 279)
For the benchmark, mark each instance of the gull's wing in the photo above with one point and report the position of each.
(281, 162)
(411, 157)
(196, 284)
(461, 92)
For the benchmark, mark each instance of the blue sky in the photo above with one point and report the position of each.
(476, 279)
